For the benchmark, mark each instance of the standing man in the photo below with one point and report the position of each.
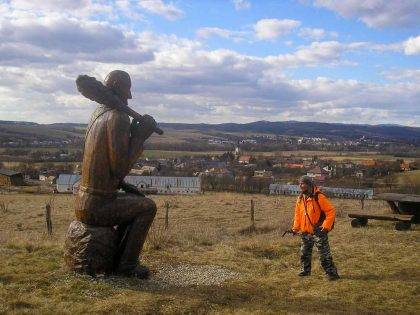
(112, 146)
(314, 218)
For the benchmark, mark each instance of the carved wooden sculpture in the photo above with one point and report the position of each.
(112, 146)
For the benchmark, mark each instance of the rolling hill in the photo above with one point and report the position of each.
(393, 133)
(310, 129)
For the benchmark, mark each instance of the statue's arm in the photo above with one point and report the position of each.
(118, 136)
(140, 131)
(124, 149)
(136, 149)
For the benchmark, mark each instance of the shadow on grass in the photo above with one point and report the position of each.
(404, 274)
(20, 306)
(248, 297)
(252, 229)
(269, 252)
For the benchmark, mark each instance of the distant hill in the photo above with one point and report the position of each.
(310, 129)
(33, 131)
(30, 130)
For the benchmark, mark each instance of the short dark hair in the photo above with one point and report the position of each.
(307, 180)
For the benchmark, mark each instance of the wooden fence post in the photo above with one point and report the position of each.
(48, 218)
(166, 215)
(252, 213)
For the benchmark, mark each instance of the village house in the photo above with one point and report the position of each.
(10, 178)
(215, 164)
(244, 159)
(330, 170)
(356, 193)
(166, 185)
(181, 165)
(218, 171)
(47, 178)
(67, 183)
(145, 170)
(318, 174)
(293, 165)
(407, 166)
(263, 174)
(347, 165)
(307, 162)
(360, 174)
(368, 163)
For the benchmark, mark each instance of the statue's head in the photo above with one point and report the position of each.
(119, 81)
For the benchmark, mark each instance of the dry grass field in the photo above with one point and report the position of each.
(380, 267)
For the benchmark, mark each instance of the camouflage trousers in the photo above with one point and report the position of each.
(321, 241)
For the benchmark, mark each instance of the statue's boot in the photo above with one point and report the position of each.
(132, 244)
(140, 271)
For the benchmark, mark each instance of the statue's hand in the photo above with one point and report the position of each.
(143, 128)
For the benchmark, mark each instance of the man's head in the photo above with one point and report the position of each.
(306, 184)
(119, 81)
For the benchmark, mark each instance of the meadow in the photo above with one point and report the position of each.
(208, 241)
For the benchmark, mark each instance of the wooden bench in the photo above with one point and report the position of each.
(405, 208)
(403, 220)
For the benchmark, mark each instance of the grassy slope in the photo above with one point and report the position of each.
(36, 130)
(379, 266)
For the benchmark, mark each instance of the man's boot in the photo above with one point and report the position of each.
(333, 276)
(304, 273)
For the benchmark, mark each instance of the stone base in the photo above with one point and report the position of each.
(90, 249)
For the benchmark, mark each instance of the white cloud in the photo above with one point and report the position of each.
(377, 13)
(76, 8)
(241, 4)
(185, 81)
(61, 40)
(403, 75)
(270, 29)
(167, 10)
(207, 32)
(181, 80)
(412, 46)
(317, 53)
(316, 33)
(50, 5)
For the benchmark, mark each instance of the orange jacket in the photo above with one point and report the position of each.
(301, 222)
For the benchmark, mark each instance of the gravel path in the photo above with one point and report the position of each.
(175, 276)
(185, 275)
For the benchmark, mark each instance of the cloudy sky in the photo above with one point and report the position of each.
(353, 61)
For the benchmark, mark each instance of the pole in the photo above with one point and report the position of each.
(48, 218)
(252, 213)
(166, 215)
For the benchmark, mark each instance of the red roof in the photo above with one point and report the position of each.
(315, 170)
(244, 158)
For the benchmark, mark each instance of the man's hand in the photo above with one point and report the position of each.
(321, 230)
(131, 189)
(143, 128)
(290, 231)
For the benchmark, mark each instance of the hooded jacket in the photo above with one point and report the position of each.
(301, 221)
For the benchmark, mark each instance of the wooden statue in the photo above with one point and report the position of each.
(112, 146)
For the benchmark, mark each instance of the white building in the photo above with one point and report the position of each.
(68, 183)
(166, 184)
(279, 189)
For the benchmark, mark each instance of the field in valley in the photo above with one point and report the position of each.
(380, 267)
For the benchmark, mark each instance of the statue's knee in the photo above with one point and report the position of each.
(150, 206)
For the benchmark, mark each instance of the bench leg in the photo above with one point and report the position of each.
(402, 226)
(359, 222)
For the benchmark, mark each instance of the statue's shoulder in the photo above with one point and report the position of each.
(115, 114)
